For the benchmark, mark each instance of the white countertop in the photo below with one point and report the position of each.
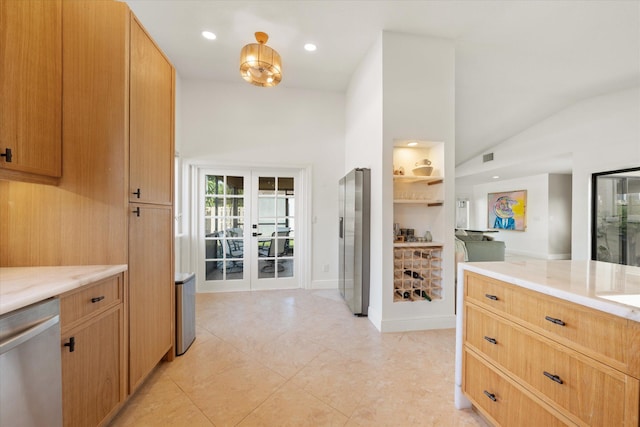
(415, 244)
(603, 286)
(21, 286)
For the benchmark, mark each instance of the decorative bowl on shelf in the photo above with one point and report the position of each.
(423, 170)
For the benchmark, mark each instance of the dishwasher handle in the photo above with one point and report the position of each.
(26, 335)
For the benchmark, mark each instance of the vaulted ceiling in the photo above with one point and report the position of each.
(517, 61)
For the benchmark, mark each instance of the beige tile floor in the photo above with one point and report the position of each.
(299, 358)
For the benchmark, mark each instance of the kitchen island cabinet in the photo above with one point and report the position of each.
(31, 90)
(563, 335)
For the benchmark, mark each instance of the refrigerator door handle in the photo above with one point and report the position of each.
(341, 230)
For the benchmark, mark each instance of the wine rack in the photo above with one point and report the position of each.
(417, 273)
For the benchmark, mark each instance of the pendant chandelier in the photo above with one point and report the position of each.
(259, 64)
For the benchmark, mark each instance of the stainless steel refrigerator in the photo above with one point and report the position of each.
(354, 225)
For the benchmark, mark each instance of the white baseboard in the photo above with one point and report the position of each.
(418, 324)
(375, 318)
(324, 284)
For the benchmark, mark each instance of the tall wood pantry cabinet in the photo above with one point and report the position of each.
(132, 121)
(151, 152)
(31, 90)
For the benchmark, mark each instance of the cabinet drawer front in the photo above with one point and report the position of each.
(499, 400)
(600, 335)
(487, 292)
(90, 300)
(559, 374)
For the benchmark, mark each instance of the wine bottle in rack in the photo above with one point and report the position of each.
(422, 294)
(413, 274)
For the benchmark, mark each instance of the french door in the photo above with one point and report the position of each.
(247, 230)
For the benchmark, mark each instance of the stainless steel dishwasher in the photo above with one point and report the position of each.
(30, 366)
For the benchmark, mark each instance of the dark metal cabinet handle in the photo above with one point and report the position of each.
(97, 299)
(137, 193)
(490, 396)
(71, 344)
(137, 211)
(491, 340)
(554, 320)
(491, 297)
(7, 155)
(553, 377)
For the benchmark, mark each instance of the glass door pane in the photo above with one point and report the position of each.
(616, 207)
(274, 225)
(224, 217)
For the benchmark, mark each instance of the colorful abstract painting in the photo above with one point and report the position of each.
(507, 210)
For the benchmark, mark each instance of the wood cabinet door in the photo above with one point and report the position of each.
(31, 87)
(151, 289)
(91, 373)
(151, 121)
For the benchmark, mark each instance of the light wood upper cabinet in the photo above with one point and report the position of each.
(151, 289)
(151, 125)
(31, 90)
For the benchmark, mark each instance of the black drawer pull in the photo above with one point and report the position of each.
(71, 344)
(137, 193)
(491, 297)
(7, 155)
(137, 211)
(490, 396)
(491, 340)
(554, 320)
(553, 377)
(97, 299)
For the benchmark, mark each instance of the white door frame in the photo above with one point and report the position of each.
(302, 174)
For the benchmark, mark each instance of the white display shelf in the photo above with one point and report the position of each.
(431, 180)
(419, 202)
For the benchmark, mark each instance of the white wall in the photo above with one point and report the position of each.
(559, 216)
(601, 133)
(419, 102)
(363, 148)
(403, 88)
(248, 126)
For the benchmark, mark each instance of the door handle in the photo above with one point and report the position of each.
(256, 234)
(71, 344)
(7, 155)
(341, 230)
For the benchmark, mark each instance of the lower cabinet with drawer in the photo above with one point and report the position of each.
(518, 373)
(93, 352)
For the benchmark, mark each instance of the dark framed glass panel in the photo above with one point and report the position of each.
(615, 228)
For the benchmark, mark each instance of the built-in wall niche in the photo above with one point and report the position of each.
(418, 188)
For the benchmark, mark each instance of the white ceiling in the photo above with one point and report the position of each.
(517, 61)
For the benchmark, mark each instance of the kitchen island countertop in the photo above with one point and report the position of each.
(22, 286)
(612, 288)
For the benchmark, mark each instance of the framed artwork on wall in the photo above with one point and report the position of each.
(507, 210)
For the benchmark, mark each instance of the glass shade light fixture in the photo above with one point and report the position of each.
(259, 64)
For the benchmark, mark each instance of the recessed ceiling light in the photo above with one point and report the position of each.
(310, 47)
(208, 35)
(412, 144)
(495, 176)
